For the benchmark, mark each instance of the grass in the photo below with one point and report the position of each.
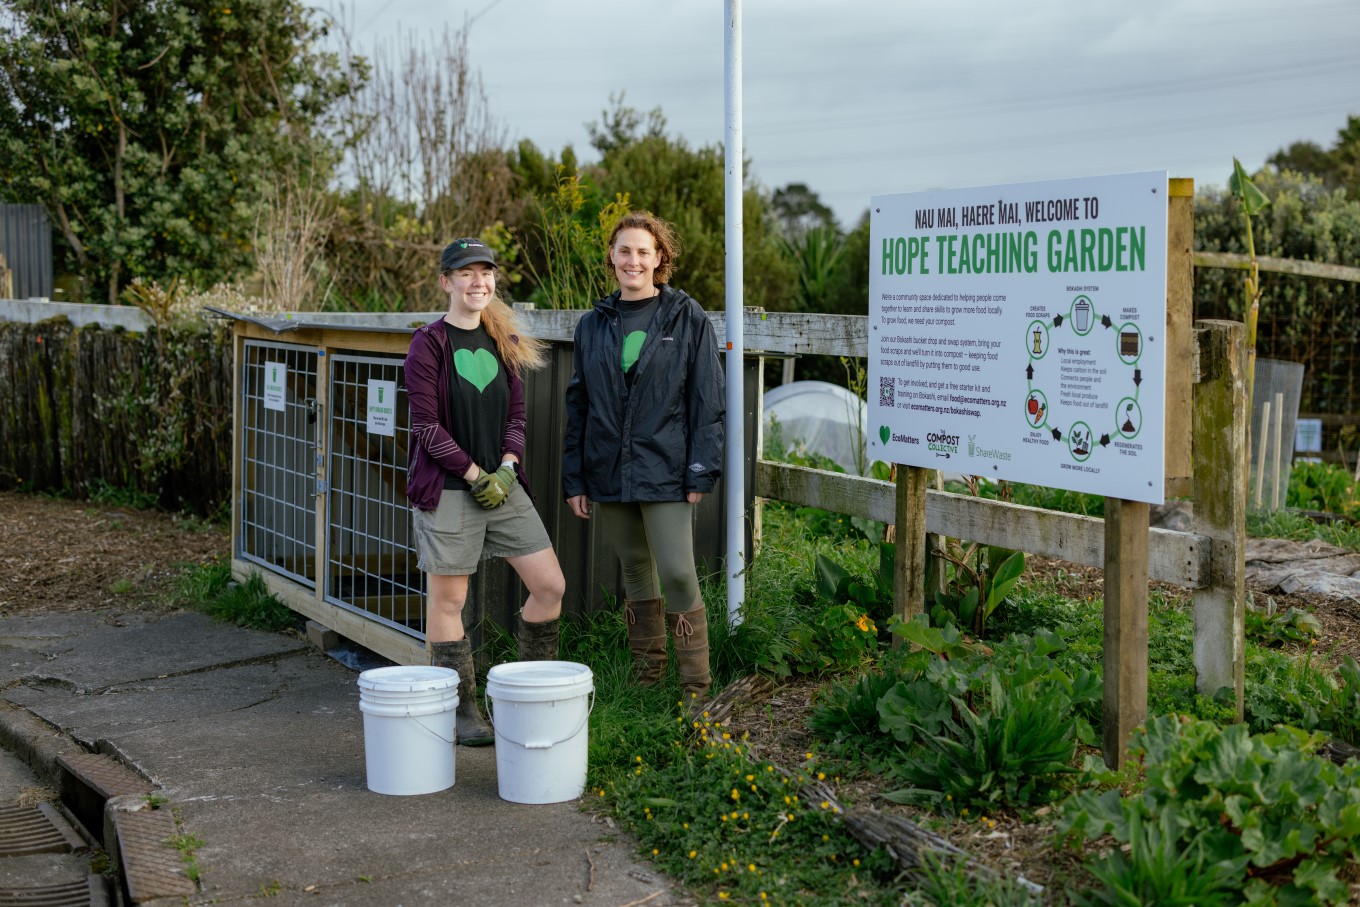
(210, 588)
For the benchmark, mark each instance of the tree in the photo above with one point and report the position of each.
(686, 187)
(148, 129)
(1337, 167)
(799, 210)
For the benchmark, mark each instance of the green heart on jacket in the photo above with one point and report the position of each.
(477, 368)
(632, 345)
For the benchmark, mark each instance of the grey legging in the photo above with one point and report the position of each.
(655, 543)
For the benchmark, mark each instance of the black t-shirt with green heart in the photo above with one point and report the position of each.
(636, 316)
(479, 394)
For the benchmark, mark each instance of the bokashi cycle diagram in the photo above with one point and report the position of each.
(1082, 319)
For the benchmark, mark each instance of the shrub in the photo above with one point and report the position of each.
(1260, 817)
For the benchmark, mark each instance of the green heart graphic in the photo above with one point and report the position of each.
(477, 368)
(632, 345)
(884, 433)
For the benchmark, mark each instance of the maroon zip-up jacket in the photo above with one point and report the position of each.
(434, 452)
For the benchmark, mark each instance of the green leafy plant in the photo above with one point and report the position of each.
(574, 243)
(1009, 750)
(1321, 486)
(978, 579)
(1160, 869)
(849, 710)
(941, 881)
(1292, 625)
(1288, 819)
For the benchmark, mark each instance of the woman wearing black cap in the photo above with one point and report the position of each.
(463, 382)
(644, 443)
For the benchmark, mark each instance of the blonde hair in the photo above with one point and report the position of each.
(663, 234)
(521, 352)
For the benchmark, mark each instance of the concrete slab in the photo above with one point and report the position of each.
(257, 741)
(187, 699)
(105, 655)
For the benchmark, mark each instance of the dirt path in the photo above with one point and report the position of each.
(61, 555)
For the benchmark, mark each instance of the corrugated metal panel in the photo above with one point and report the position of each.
(26, 243)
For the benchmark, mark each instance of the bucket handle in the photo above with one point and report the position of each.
(536, 745)
(451, 742)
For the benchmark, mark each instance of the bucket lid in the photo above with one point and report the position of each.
(539, 681)
(408, 679)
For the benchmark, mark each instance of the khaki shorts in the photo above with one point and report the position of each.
(459, 532)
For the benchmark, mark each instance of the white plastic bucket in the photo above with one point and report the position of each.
(541, 712)
(409, 721)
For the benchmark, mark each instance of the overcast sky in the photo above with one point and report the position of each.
(878, 96)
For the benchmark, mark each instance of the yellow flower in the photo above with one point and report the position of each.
(693, 854)
(655, 852)
(856, 862)
(821, 776)
(865, 624)
(750, 867)
(736, 794)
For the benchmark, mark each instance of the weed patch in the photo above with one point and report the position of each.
(210, 588)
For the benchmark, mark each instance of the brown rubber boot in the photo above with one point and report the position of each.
(537, 642)
(472, 727)
(646, 638)
(689, 629)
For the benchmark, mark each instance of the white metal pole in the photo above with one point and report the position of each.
(734, 471)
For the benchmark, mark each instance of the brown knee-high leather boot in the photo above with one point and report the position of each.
(646, 638)
(689, 630)
(472, 727)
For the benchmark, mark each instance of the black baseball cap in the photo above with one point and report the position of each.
(462, 252)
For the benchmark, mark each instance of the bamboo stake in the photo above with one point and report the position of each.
(1279, 451)
(1261, 450)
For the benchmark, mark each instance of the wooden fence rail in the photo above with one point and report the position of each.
(1179, 558)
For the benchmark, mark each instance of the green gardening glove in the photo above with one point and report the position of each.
(493, 488)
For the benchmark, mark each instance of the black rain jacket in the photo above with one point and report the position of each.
(663, 436)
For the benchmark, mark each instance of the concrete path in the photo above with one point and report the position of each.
(257, 742)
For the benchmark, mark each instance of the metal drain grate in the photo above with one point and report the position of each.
(151, 867)
(90, 893)
(35, 829)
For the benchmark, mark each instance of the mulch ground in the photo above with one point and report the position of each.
(61, 555)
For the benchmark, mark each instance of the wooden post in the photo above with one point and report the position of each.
(1180, 291)
(1221, 457)
(1126, 624)
(909, 558)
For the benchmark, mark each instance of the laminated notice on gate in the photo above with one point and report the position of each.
(275, 384)
(382, 407)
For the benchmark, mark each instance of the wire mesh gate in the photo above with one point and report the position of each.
(371, 556)
(278, 459)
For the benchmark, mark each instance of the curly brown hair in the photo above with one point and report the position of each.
(667, 245)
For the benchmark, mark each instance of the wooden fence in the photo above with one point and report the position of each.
(147, 411)
(1208, 560)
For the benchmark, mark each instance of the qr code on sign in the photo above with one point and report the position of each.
(885, 391)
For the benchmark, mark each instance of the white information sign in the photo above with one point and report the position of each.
(275, 385)
(382, 407)
(1016, 332)
(1308, 436)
